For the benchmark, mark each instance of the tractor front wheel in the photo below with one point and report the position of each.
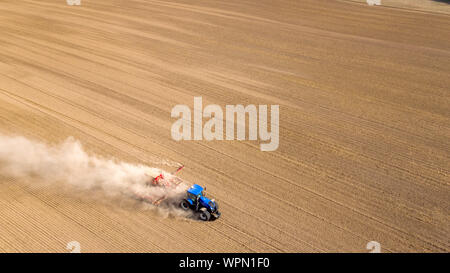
(204, 215)
(184, 204)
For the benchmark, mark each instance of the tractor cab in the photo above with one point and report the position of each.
(196, 200)
(194, 192)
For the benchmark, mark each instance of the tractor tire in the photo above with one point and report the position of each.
(204, 215)
(184, 204)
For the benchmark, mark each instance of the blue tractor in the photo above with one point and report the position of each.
(206, 209)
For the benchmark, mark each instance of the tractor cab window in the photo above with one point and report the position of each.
(192, 196)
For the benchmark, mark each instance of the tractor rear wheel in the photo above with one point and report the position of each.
(184, 204)
(204, 215)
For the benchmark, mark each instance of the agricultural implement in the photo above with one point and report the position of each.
(165, 183)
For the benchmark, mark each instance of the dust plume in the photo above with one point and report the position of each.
(68, 164)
